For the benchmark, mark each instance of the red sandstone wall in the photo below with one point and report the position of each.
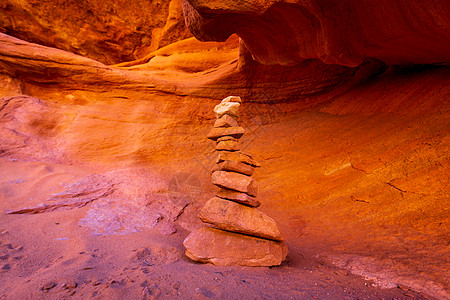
(110, 31)
(355, 161)
(336, 32)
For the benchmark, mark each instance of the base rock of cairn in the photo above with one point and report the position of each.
(223, 248)
(242, 235)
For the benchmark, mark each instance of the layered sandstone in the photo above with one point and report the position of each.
(355, 160)
(110, 31)
(344, 32)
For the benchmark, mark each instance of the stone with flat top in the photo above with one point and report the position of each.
(235, 217)
(238, 156)
(235, 181)
(222, 248)
(235, 166)
(216, 133)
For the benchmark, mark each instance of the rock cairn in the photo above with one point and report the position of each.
(240, 233)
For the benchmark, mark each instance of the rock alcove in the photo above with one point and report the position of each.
(104, 110)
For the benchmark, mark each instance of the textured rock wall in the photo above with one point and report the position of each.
(110, 31)
(336, 32)
(354, 160)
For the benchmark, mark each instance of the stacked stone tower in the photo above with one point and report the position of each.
(240, 233)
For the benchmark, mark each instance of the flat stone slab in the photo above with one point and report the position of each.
(238, 156)
(235, 217)
(222, 248)
(235, 181)
(216, 133)
(235, 166)
(242, 198)
(226, 121)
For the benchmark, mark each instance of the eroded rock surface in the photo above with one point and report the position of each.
(357, 171)
(345, 32)
(109, 31)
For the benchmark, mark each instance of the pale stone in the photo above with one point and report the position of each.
(222, 248)
(238, 197)
(235, 166)
(232, 99)
(226, 121)
(228, 145)
(238, 156)
(227, 108)
(215, 133)
(235, 181)
(235, 217)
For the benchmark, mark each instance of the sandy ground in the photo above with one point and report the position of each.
(51, 248)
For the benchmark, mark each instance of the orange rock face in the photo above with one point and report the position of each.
(354, 160)
(110, 31)
(335, 32)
